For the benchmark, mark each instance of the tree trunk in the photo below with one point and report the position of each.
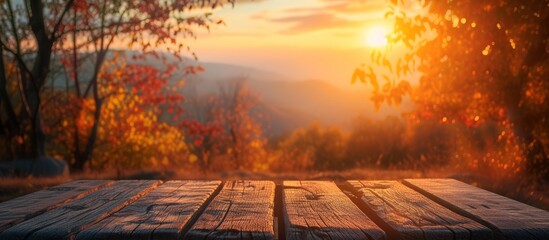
(79, 163)
(84, 157)
(38, 77)
(9, 125)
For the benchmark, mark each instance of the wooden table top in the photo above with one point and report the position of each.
(151, 209)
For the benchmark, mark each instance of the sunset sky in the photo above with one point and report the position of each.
(305, 39)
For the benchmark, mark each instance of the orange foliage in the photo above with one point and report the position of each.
(130, 133)
(479, 66)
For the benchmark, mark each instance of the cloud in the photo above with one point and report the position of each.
(314, 22)
(358, 6)
(328, 14)
(247, 1)
(344, 7)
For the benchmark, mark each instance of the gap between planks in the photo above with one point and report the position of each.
(509, 219)
(320, 210)
(411, 215)
(67, 220)
(242, 210)
(161, 214)
(278, 210)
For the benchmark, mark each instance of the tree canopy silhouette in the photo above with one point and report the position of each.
(479, 61)
(34, 35)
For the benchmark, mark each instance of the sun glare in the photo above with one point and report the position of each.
(376, 36)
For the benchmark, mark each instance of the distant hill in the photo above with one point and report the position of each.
(286, 104)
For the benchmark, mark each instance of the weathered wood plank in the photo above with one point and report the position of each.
(242, 210)
(508, 218)
(22, 208)
(65, 221)
(161, 214)
(320, 210)
(411, 215)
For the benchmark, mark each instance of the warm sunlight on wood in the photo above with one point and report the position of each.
(376, 36)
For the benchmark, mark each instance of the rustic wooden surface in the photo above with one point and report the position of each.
(161, 214)
(411, 215)
(135, 209)
(65, 221)
(508, 218)
(320, 210)
(28, 206)
(242, 210)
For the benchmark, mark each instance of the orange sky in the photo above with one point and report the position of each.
(305, 39)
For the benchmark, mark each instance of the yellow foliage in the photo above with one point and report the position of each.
(130, 135)
(136, 138)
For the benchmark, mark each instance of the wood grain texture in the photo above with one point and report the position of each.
(22, 208)
(161, 214)
(410, 215)
(508, 218)
(241, 210)
(320, 210)
(65, 221)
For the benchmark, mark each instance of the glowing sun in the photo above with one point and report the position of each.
(376, 36)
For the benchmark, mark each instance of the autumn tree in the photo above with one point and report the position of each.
(313, 148)
(479, 61)
(377, 143)
(203, 127)
(30, 30)
(132, 133)
(142, 24)
(79, 31)
(243, 140)
(429, 143)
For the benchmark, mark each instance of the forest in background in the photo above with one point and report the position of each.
(479, 106)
